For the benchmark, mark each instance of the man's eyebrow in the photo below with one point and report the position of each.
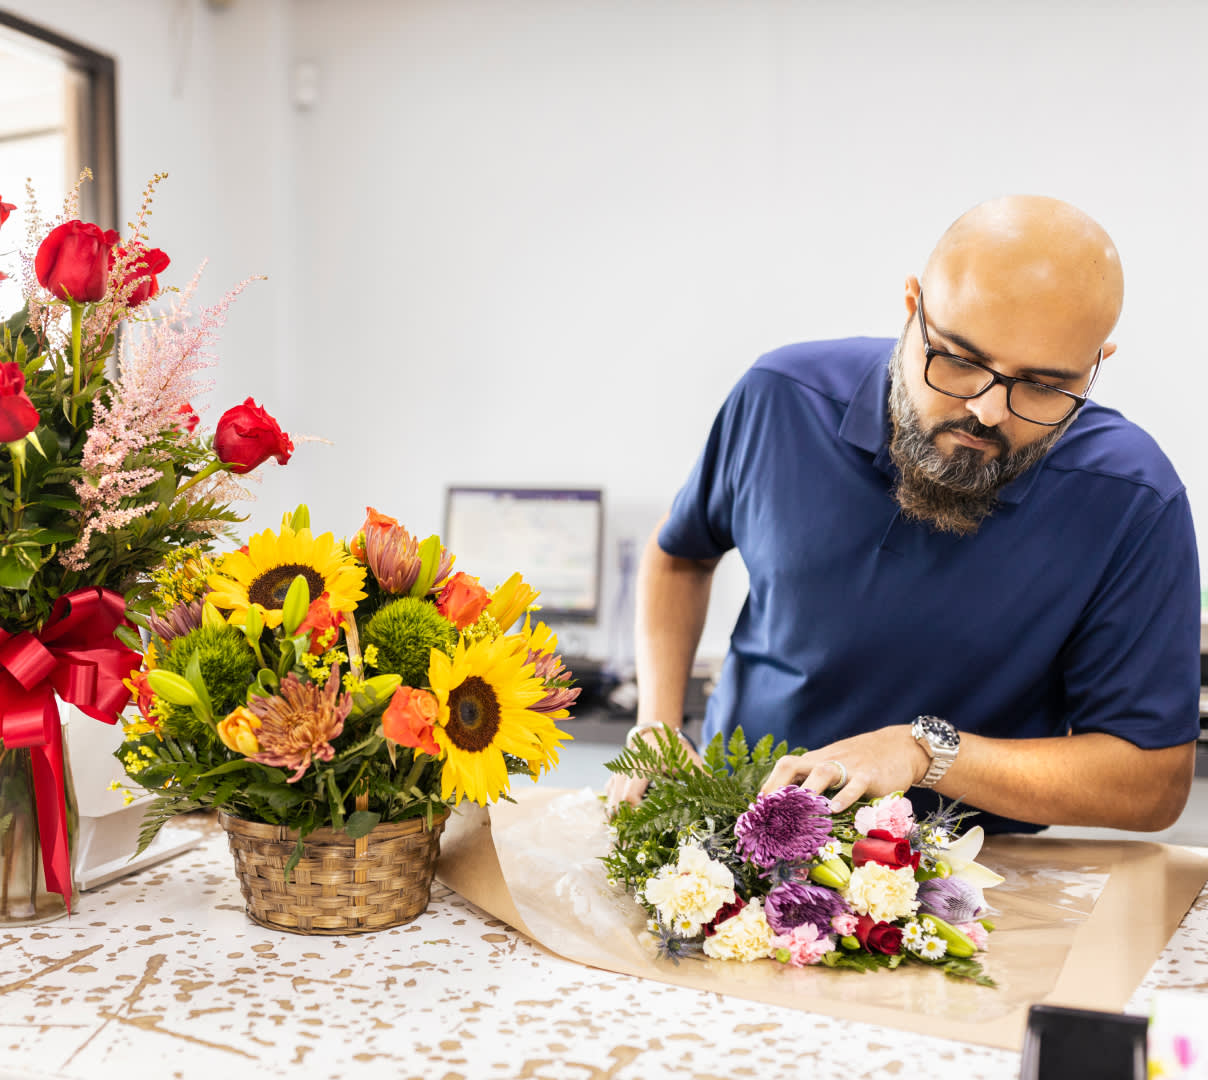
(984, 358)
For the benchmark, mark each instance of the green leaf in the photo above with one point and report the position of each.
(295, 857)
(203, 707)
(360, 823)
(129, 638)
(226, 767)
(15, 572)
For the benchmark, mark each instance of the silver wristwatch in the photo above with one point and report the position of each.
(941, 741)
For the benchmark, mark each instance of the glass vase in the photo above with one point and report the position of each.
(24, 898)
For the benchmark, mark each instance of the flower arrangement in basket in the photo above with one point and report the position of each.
(737, 875)
(333, 701)
(103, 472)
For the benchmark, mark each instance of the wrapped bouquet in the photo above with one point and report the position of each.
(737, 875)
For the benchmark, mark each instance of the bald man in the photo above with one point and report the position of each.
(965, 577)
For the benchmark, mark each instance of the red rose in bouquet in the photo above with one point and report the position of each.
(881, 846)
(879, 937)
(73, 261)
(18, 417)
(247, 436)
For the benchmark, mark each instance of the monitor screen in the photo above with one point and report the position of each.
(552, 536)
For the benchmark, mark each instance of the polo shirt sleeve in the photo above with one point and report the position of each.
(1131, 667)
(700, 525)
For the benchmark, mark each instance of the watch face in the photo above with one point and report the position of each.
(940, 733)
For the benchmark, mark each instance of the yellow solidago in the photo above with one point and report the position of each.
(182, 577)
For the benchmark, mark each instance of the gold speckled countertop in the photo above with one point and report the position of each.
(160, 974)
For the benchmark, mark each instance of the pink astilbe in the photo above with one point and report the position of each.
(158, 368)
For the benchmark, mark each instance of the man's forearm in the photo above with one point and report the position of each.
(1089, 779)
(672, 601)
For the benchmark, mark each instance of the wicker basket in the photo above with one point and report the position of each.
(340, 886)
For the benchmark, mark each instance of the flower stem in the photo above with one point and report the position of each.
(209, 470)
(77, 324)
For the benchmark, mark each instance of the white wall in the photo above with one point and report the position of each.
(536, 241)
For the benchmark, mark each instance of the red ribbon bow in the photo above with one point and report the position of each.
(75, 656)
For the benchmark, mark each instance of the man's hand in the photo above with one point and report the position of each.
(631, 789)
(876, 763)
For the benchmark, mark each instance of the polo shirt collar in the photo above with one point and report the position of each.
(866, 425)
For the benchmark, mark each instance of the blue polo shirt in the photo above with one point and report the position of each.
(1073, 608)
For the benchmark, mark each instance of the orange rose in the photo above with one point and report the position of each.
(462, 600)
(323, 624)
(373, 520)
(409, 717)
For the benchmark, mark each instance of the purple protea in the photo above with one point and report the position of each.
(794, 903)
(176, 621)
(788, 825)
(952, 899)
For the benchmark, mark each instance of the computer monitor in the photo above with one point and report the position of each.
(553, 536)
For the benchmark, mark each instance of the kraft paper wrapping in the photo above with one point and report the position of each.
(1079, 923)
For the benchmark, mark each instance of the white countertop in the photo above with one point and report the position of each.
(161, 974)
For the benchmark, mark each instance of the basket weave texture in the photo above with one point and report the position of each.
(340, 886)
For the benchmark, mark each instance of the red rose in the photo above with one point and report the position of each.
(247, 436)
(462, 600)
(409, 717)
(6, 208)
(18, 417)
(883, 847)
(879, 937)
(74, 260)
(188, 421)
(142, 271)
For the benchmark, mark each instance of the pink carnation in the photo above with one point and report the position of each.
(844, 924)
(805, 945)
(976, 933)
(894, 814)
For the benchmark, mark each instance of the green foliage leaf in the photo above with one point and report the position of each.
(360, 823)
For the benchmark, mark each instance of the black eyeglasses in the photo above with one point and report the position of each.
(960, 377)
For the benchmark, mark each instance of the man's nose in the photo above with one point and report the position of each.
(991, 407)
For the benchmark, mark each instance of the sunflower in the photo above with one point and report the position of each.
(263, 573)
(484, 692)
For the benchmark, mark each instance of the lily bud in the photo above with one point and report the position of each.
(173, 688)
(833, 873)
(297, 604)
(958, 944)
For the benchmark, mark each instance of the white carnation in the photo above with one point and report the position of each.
(688, 894)
(745, 936)
(881, 893)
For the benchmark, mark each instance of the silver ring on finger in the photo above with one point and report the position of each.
(842, 773)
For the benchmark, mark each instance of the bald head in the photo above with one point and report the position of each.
(1033, 263)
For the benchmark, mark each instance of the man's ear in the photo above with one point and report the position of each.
(1109, 347)
(912, 295)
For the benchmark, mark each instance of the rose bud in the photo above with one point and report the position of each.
(462, 600)
(879, 937)
(142, 275)
(73, 262)
(247, 436)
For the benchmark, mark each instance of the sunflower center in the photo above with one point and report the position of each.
(269, 588)
(473, 715)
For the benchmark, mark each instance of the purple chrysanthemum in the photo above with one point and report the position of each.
(787, 825)
(952, 899)
(794, 903)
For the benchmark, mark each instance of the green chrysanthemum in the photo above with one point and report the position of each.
(405, 632)
(228, 667)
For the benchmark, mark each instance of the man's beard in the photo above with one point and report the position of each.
(952, 492)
